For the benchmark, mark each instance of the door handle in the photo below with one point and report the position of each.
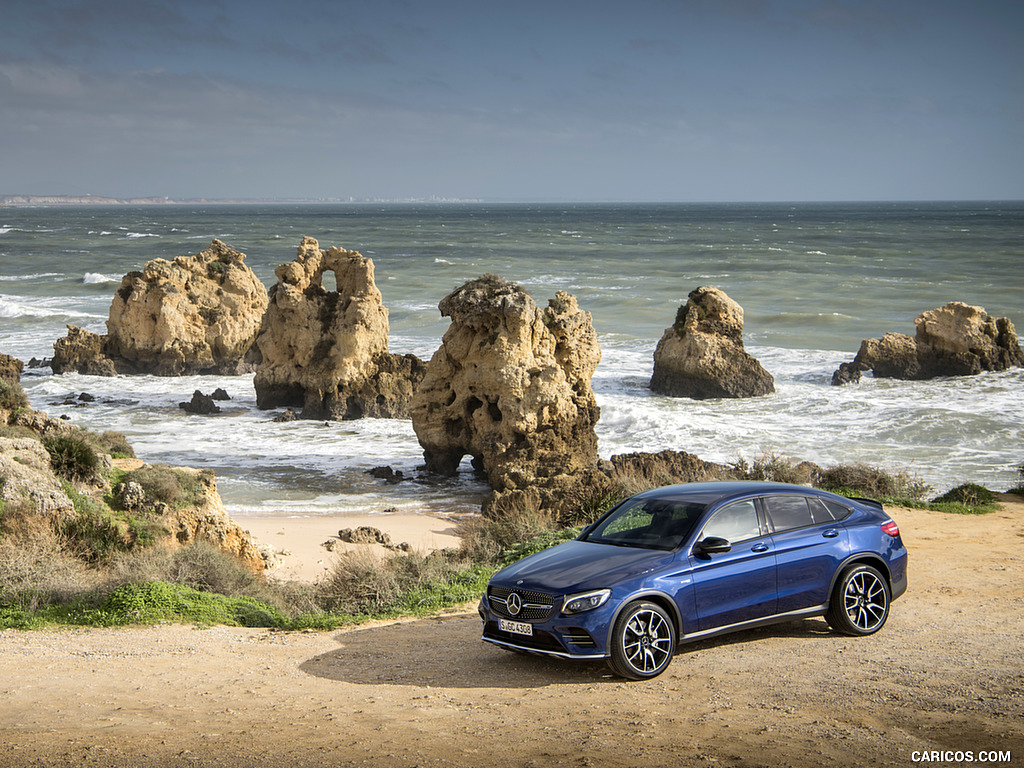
(830, 533)
(762, 547)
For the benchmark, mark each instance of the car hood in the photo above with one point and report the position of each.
(576, 566)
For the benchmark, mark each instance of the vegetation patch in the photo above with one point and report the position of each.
(175, 487)
(1019, 488)
(72, 457)
(876, 483)
(12, 396)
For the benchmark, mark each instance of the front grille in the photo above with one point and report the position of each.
(536, 605)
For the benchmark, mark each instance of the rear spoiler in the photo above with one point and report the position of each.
(870, 502)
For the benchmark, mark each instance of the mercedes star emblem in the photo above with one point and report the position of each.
(515, 604)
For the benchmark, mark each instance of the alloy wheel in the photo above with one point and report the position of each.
(865, 601)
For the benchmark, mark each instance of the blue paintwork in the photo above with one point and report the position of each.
(757, 581)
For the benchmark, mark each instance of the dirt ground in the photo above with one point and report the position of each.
(945, 674)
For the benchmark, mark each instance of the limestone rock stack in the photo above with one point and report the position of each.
(194, 315)
(510, 387)
(701, 356)
(326, 351)
(956, 339)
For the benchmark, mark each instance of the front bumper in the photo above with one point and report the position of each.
(583, 636)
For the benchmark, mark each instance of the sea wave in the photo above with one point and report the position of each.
(13, 307)
(97, 278)
(137, 235)
(37, 276)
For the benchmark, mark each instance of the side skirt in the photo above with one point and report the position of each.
(803, 613)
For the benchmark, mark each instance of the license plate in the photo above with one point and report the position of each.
(515, 627)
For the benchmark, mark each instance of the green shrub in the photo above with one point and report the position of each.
(873, 482)
(36, 569)
(12, 396)
(969, 499)
(154, 601)
(363, 582)
(971, 494)
(172, 486)
(113, 443)
(93, 533)
(484, 539)
(72, 457)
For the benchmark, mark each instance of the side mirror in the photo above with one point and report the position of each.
(585, 531)
(713, 544)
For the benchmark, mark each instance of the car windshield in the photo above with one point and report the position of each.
(647, 523)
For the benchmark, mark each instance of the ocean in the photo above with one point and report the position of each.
(813, 280)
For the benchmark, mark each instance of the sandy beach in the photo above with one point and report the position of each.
(944, 674)
(299, 542)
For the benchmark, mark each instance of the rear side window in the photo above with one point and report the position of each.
(839, 511)
(788, 512)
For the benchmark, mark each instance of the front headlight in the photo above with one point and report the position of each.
(586, 601)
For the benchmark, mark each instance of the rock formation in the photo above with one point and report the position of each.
(327, 351)
(196, 315)
(27, 476)
(510, 386)
(209, 521)
(82, 351)
(701, 356)
(954, 340)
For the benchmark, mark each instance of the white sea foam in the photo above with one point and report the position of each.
(137, 235)
(96, 278)
(439, 260)
(19, 306)
(10, 307)
(38, 276)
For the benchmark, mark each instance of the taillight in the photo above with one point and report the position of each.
(891, 528)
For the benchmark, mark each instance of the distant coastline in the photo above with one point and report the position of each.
(44, 200)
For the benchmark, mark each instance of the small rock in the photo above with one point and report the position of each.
(200, 403)
(386, 473)
(220, 394)
(364, 534)
(130, 496)
(288, 415)
(85, 397)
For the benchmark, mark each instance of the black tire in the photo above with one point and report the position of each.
(860, 601)
(643, 642)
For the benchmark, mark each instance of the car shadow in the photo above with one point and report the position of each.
(447, 652)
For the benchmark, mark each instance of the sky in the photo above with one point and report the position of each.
(560, 100)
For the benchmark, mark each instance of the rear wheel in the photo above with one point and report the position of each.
(860, 601)
(643, 642)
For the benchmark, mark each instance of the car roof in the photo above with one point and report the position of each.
(720, 490)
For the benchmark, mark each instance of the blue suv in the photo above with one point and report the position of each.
(688, 562)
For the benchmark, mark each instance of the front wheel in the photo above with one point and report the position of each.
(860, 602)
(643, 642)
